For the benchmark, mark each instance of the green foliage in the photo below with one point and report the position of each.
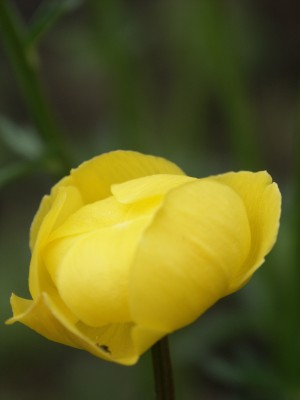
(46, 16)
(22, 141)
(197, 81)
(14, 171)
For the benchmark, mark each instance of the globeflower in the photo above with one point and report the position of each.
(127, 249)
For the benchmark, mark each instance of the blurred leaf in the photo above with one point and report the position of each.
(225, 371)
(248, 374)
(20, 140)
(203, 36)
(48, 13)
(14, 171)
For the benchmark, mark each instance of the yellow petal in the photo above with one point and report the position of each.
(43, 317)
(101, 214)
(144, 338)
(91, 271)
(37, 316)
(148, 187)
(262, 200)
(186, 258)
(81, 268)
(64, 204)
(44, 208)
(95, 177)
(124, 343)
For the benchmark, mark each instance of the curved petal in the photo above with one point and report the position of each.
(91, 271)
(38, 316)
(44, 208)
(144, 338)
(100, 214)
(186, 258)
(262, 200)
(64, 204)
(148, 187)
(95, 177)
(124, 343)
(111, 343)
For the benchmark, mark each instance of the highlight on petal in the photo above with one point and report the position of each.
(262, 200)
(187, 257)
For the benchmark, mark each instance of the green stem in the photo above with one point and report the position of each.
(24, 61)
(162, 369)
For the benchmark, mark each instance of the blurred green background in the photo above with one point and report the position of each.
(212, 85)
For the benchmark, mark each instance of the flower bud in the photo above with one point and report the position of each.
(127, 249)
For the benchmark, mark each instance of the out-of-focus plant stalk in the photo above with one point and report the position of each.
(225, 68)
(24, 61)
(162, 369)
(297, 187)
(127, 73)
(287, 343)
(297, 241)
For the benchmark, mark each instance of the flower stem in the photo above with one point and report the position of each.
(162, 369)
(25, 64)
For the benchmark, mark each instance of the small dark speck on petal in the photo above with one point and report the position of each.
(104, 348)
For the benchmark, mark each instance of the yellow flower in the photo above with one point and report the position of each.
(127, 249)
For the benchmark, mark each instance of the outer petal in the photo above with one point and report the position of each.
(187, 257)
(65, 203)
(144, 338)
(262, 200)
(124, 343)
(39, 316)
(121, 343)
(95, 177)
(45, 207)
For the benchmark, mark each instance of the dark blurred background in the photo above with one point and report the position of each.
(213, 86)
